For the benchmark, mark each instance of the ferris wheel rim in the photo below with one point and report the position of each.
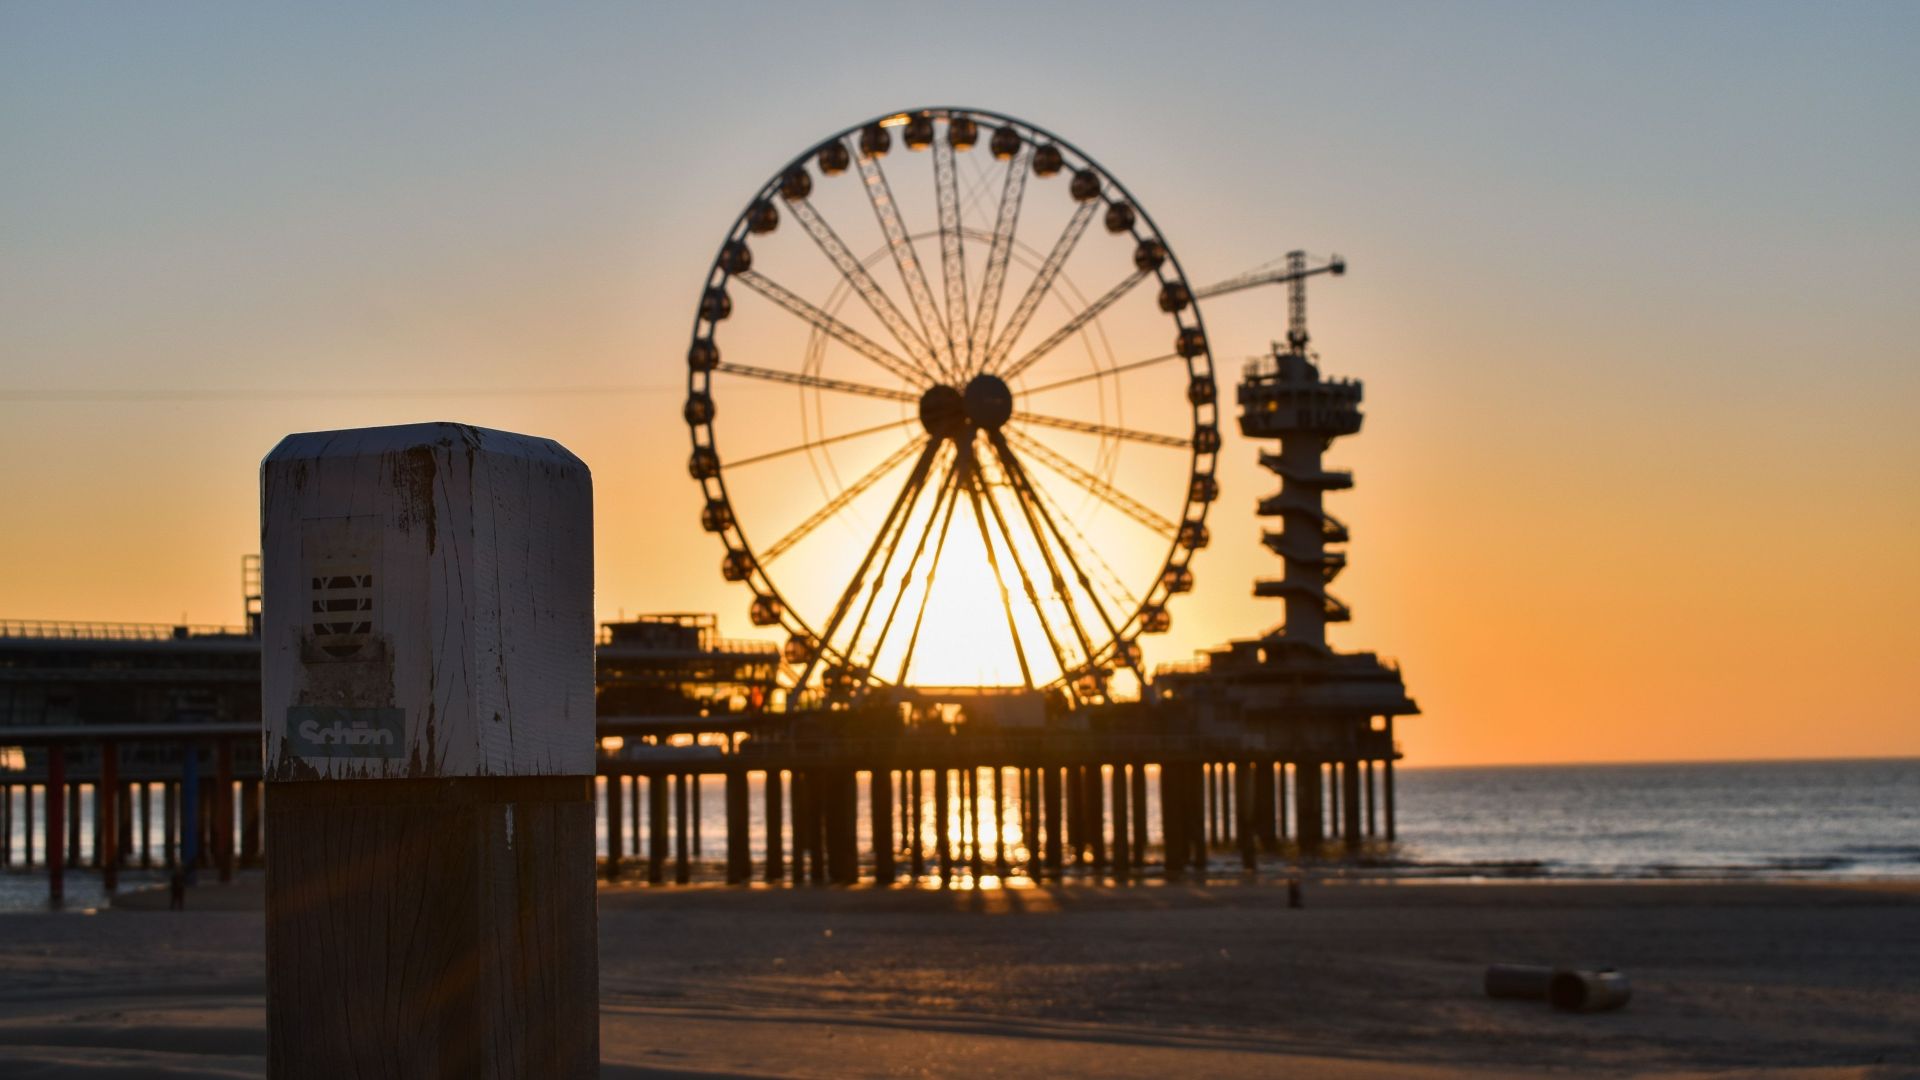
(1203, 414)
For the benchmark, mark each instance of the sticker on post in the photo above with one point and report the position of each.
(324, 731)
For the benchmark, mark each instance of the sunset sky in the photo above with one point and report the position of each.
(1632, 290)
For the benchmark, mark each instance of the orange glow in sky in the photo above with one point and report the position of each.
(1640, 472)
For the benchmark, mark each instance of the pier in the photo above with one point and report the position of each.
(1007, 784)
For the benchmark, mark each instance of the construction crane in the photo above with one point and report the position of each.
(1294, 272)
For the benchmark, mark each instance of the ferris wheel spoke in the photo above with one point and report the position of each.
(1012, 189)
(1034, 515)
(974, 496)
(913, 276)
(817, 382)
(1117, 590)
(953, 255)
(933, 569)
(890, 546)
(1026, 578)
(1072, 326)
(857, 277)
(1118, 369)
(1017, 472)
(839, 502)
(1109, 494)
(1037, 289)
(943, 493)
(852, 591)
(981, 183)
(854, 339)
(814, 444)
(1089, 428)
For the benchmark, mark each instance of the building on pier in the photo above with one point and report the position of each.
(1292, 695)
(679, 665)
(59, 675)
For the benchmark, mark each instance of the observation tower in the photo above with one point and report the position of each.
(1284, 397)
(1294, 696)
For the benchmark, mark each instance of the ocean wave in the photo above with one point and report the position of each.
(1753, 869)
(1900, 853)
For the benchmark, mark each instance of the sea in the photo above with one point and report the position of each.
(1853, 820)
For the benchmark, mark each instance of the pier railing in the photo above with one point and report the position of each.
(62, 630)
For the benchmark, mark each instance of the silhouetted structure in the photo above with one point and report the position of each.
(1296, 697)
(1224, 735)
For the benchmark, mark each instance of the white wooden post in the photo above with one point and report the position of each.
(428, 700)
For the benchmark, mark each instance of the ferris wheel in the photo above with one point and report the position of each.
(953, 411)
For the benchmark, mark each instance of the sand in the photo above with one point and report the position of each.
(1366, 981)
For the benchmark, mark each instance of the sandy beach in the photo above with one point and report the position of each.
(1367, 980)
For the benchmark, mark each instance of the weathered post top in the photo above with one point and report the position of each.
(428, 605)
(427, 694)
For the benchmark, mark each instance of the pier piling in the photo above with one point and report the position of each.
(1000, 866)
(1309, 807)
(682, 856)
(1050, 797)
(819, 793)
(1264, 807)
(1137, 781)
(694, 784)
(880, 799)
(1074, 781)
(1350, 806)
(844, 835)
(170, 825)
(74, 792)
(107, 817)
(1387, 790)
(1367, 767)
(146, 822)
(1280, 798)
(190, 815)
(1173, 825)
(1095, 786)
(616, 842)
(976, 854)
(916, 846)
(657, 818)
(56, 822)
(942, 827)
(739, 851)
(1245, 827)
(776, 870)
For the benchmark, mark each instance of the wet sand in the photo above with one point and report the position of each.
(1367, 980)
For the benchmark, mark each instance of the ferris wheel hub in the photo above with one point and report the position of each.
(948, 413)
(943, 412)
(989, 401)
